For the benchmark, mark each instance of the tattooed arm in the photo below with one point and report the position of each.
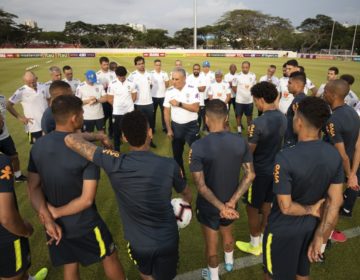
(206, 193)
(328, 221)
(80, 143)
(291, 208)
(249, 176)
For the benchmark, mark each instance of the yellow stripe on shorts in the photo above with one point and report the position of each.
(250, 194)
(130, 254)
(268, 253)
(18, 256)
(100, 241)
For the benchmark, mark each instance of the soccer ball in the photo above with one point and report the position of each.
(182, 211)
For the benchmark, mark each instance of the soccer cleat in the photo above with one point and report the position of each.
(338, 236)
(229, 267)
(206, 274)
(345, 213)
(248, 248)
(20, 178)
(41, 274)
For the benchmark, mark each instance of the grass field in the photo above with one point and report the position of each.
(342, 262)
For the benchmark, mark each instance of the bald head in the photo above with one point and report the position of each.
(30, 79)
(338, 88)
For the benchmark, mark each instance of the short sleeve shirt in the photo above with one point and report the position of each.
(105, 78)
(219, 90)
(74, 83)
(244, 83)
(142, 82)
(5, 133)
(197, 82)
(122, 92)
(85, 92)
(231, 79)
(158, 81)
(286, 97)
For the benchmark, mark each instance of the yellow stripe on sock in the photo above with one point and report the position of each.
(268, 253)
(250, 194)
(100, 241)
(18, 256)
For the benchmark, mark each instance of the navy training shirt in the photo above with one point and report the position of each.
(267, 132)
(304, 171)
(62, 172)
(143, 182)
(220, 156)
(47, 121)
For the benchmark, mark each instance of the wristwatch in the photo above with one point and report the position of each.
(180, 104)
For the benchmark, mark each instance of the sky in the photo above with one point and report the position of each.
(171, 15)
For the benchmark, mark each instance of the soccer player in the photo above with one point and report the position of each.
(244, 101)
(309, 84)
(178, 64)
(160, 82)
(121, 95)
(265, 140)
(113, 65)
(56, 89)
(286, 98)
(231, 79)
(55, 75)
(209, 78)
(351, 98)
(332, 74)
(14, 231)
(181, 107)
(300, 191)
(92, 95)
(342, 129)
(105, 76)
(198, 81)
(7, 145)
(296, 85)
(142, 182)
(34, 100)
(69, 78)
(215, 164)
(66, 184)
(220, 89)
(142, 80)
(270, 76)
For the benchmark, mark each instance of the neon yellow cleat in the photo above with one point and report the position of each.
(248, 248)
(41, 274)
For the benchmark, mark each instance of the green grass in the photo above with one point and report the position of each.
(342, 261)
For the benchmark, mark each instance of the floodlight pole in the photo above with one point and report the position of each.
(353, 43)
(195, 26)
(332, 35)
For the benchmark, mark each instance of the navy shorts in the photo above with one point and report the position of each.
(89, 125)
(7, 147)
(14, 257)
(86, 250)
(161, 263)
(33, 136)
(211, 220)
(260, 191)
(246, 109)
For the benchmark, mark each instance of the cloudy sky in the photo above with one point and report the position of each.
(171, 14)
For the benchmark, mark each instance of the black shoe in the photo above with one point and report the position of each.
(152, 145)
(21, 178)
(343, 213)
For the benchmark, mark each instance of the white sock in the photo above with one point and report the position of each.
(254, 240)
(323, 247)
(17, 173)
(331, 234)
(214, 273)
(229, 257)
(239, 129)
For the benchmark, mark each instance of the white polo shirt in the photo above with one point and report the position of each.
(74, 83)
(123, 102)
(158, 83)
(244, 83)
(351, 99)
(219, 90)
(34, 104)
(274, 80)
(286, 97)
(5, 133)
(209, 78)
(47, 88)
(105, 78)
(188, 95)
(231, 78)
(197, 82)
(142, 82)
(84, 92)
(357, 108)
(308, 86)
(321, 90)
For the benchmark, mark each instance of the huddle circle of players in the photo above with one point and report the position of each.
(300, 166)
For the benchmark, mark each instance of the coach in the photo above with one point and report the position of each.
(181, 106)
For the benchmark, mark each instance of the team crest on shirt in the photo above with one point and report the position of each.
(111, 153)
(330, 129)
(277, 173)
(251, 130)
(6, 173)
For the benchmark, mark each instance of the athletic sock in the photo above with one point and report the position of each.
(17, 173)
(31, 278)
(255, 240)
(214, 273)
(331, 234)
(323, 247)
(229, 257)
(239, 129)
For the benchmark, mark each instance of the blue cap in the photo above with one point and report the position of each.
(206, 64)
(91, 76)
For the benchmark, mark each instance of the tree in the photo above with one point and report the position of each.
(184, 37)
(157, 38)
(7, 26)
